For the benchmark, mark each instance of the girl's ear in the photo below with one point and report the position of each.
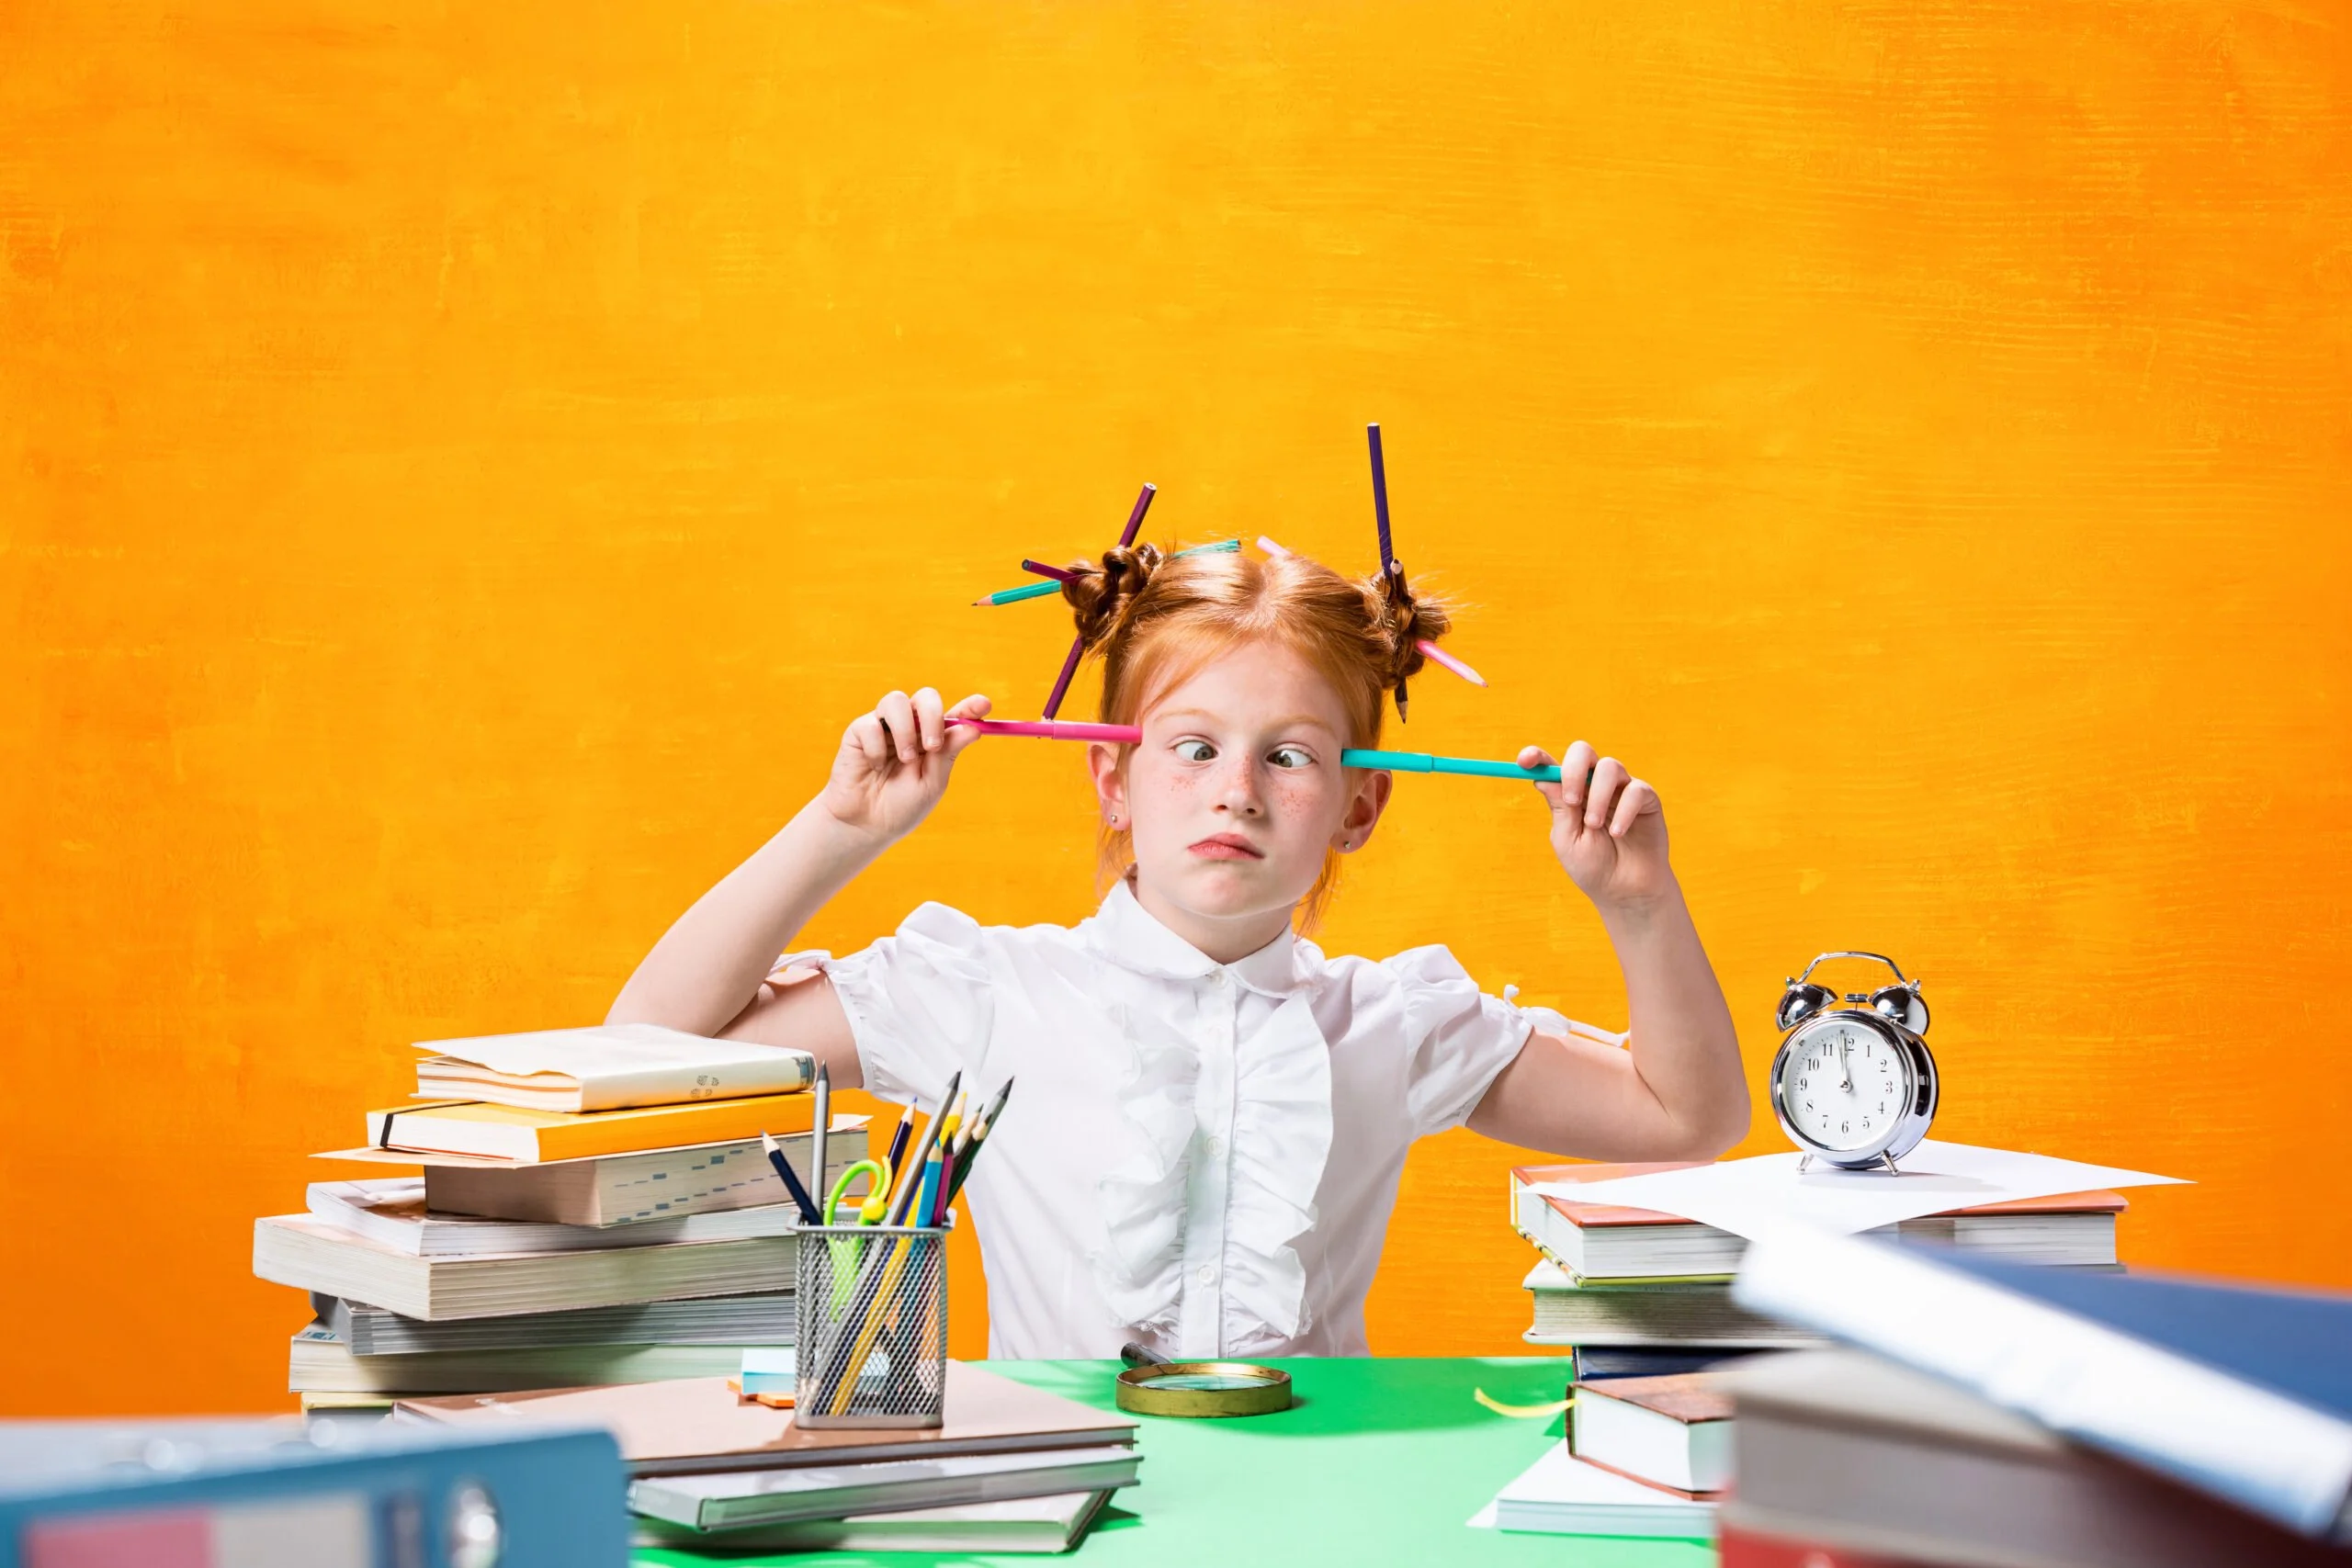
(1110, 783)
(1363, 810)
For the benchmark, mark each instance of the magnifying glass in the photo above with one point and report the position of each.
(1150, 1387)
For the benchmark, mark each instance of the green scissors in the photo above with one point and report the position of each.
(848, 1254)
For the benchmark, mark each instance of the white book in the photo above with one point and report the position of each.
(1027, 1525)
(606, 1067)
(391, 1213)
(1561, 1494)
(297, 1250)
(832, 1492)
(319, 1362)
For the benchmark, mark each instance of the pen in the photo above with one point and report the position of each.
(808, 1215)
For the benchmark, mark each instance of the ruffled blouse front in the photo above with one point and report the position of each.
(1201, 1157)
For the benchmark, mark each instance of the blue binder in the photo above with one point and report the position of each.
(321, 1495)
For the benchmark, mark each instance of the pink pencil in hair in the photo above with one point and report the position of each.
(1055, 729)
(1424, 644)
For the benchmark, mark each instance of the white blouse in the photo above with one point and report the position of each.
(1201, 1156)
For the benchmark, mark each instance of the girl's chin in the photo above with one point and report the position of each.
(1223, 889)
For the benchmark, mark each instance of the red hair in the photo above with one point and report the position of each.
(1156, 620)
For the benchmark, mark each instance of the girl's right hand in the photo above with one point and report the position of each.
(894, 763)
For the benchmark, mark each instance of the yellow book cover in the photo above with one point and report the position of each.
(507, 1131)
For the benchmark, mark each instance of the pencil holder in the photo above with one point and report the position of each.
(873, 1331)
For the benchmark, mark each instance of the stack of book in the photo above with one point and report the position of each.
(1012, 1467)
(1632, 1292)
(603, 1211)
(1990, 1414)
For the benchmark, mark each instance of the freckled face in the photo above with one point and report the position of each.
(1235, 790)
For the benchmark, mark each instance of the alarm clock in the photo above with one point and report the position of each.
(1853, 1085)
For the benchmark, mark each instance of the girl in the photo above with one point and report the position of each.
(1212, 1115)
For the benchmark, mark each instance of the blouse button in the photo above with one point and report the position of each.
(1216, 1145)
(1216, 978)
(1207, 1274)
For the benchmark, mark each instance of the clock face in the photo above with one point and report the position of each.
(1843, 1084)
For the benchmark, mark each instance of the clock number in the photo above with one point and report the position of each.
(1804, 1083)
(1843, 1128)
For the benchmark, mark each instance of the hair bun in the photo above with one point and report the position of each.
(1404, 623)
(1100, 593)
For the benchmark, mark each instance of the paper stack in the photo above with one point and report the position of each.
(643, 1238)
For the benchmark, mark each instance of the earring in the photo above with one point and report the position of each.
(1114, 821)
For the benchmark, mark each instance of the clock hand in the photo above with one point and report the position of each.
(1845, 1066)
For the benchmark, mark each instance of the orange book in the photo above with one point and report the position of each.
(531, 1137)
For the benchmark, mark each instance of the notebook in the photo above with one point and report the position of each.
(737, 1499)
(510, 1133)
(297, 1250)
(609, 1067)
(678, 1428)
(2245, 1393)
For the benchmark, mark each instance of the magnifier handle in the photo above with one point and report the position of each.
(1136, 1356)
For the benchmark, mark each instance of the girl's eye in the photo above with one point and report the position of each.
(1195, 751)
(1290, 757)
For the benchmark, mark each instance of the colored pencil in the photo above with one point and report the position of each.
(1039, 589)
(1353, 757)
(822, 1112)
(1428, 648)
(911, 1178)
(791, 1177)
(1380, 501)
(1052, 730)
(971, 1152)
(1078, 646)
(1015, 596)
(898, 1144)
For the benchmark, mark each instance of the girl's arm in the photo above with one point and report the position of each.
(704, 976)
(1680, 1092)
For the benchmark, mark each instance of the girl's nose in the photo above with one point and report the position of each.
(1237, 789)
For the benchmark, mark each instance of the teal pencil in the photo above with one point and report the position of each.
(1039, 589)
(1468, 767)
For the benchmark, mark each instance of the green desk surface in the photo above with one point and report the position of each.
(1381, 1461)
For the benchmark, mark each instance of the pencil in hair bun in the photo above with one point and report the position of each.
(1099, 593)
(1404, 623)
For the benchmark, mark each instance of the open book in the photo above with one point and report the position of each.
(607, 1067)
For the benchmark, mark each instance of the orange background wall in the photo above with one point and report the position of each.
(459, 470)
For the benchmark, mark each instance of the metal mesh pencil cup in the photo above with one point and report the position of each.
(873, 1333)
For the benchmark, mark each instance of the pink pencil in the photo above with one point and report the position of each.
(1055, 729)
(1424, 644)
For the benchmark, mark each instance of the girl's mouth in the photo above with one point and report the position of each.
(1228, 846)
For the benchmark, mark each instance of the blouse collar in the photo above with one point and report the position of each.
(1132, 937)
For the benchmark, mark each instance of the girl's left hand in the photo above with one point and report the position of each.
(1609, 833)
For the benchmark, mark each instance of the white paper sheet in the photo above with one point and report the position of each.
(1750, 1197)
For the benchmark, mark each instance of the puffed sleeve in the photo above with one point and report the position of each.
(919, 1001)
(1458, 1038)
